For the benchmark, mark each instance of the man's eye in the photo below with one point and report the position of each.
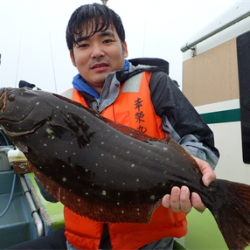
(107, 41)
(83, 45)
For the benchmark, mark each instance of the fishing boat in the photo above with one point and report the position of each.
(24, 214)
(216, 80)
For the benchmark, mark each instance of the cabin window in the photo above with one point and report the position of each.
(243, 53)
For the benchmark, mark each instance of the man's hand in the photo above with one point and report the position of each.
(179, 198)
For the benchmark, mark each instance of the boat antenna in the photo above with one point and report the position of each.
(18, 59)
(104, 2)
(53, 67)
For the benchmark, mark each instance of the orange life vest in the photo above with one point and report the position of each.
(133, 107)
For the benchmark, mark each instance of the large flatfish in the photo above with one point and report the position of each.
(109, 172)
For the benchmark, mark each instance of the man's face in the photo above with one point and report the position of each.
(98, 55)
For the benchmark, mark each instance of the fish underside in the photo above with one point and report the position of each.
(108, 172)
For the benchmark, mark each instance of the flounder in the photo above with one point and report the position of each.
(109, 172)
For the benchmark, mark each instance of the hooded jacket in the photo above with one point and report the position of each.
(179, 119)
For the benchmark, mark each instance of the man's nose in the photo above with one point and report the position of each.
(97, 51)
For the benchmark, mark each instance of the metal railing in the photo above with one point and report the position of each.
(212, 33)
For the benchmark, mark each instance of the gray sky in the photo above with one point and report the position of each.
(32, 35)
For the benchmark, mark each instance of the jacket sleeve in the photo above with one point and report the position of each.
(180, 120)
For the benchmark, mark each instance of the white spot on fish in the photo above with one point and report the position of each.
(123, 183)
(137, 209)
(105, 170)
(137, 179)
(122, 212)
(66, 151)
(96, 164)
(132, 165)
(86, 170)
(49, 131)
(152, 197)
(64, 179)
(102, 142)
(66, 107)
(102, 154)
(57, 107)
(86, 193)
(101, 209)
(118, 194)
(118, 203)
(165, 148)
(79, 200)
(128, 152)
(104, 192)
(44, 144)
(114, 156)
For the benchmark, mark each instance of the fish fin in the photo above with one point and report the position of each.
(94, 210)
(131, 132)
(233, 217)
(61, 132)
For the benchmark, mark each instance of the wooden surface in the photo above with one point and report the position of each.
(212, 76)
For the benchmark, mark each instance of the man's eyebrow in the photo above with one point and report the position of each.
(107, 33)
(81, 38)
(101, 34)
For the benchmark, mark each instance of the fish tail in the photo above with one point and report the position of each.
(233, 215)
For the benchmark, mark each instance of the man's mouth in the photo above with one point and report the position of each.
(99, 65)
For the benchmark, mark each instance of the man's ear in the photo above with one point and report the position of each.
(72, 57)
(125, 49)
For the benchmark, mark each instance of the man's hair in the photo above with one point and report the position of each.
(92, 18)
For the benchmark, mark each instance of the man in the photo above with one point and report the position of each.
(137, 93)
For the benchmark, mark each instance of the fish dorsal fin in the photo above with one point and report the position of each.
(127, 130)
(94, 210)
